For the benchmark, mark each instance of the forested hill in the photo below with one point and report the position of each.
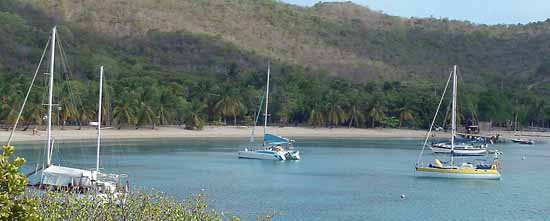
(334, 64)
(344, 38)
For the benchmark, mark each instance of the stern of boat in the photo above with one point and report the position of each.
(292, 155)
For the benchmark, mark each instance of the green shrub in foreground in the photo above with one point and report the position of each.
(18, 204)
(133, 206)
(14, 205)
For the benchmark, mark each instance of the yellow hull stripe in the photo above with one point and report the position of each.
(461, 171)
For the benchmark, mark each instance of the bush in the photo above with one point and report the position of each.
(14, 204)
(18, 204)
(133, 206)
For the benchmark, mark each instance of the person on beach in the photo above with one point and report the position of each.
(34, 131)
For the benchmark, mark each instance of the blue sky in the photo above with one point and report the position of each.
(478, 11)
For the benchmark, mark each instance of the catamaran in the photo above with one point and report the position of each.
(55, 177)
(468, 168)
(274, 147)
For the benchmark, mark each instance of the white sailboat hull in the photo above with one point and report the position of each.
(458, 175)
(460, 149)
(460, 152)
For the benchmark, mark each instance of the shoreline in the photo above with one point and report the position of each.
(89, 133)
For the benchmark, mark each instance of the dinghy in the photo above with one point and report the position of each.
(523, 141)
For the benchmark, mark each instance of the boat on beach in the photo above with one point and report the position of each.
(460, 168)
(56, 177)
(274, 147)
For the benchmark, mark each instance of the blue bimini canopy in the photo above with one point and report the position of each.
(274, 139)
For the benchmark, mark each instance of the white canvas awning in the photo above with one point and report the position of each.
(66, 176)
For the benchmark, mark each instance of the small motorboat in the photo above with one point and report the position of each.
(523, 141)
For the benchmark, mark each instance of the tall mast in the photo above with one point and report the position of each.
(99, 117)
(453, 120)
(266, 99)
(50, 98)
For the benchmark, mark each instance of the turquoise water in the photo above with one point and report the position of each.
(338, 179)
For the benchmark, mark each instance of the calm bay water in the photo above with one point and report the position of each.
(338, 179)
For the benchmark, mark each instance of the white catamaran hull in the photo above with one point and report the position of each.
(262, 155)
(458, 175)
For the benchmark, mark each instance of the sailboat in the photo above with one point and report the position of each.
(461, 148)
(55, 177)
(452, 168)
(274, 147)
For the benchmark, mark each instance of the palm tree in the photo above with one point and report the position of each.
(147, 98)
(356, 116)
(124, 110)
(146, 115)
(230, 105)
(316, 118)
(35, 113)
(405, 114)
(67, 102)
(165, 109)
(195, 119)
(377, 114)
(181, 110)
(205, 91)
(336, 115)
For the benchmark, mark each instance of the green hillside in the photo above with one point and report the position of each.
(344, 38)
(334, 64)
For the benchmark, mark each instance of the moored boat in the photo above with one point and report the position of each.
(461, 149)
(56, 177)
(523, 141)
(274, 147)
(467, 169)
(464, 171)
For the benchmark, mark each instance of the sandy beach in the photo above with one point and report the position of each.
(213, 132)
(242, 132)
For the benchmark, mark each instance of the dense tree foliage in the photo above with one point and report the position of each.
(182, 78)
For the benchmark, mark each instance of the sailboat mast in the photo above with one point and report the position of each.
(50, 98)
(99, 117)
(453, 120)
(266, 99)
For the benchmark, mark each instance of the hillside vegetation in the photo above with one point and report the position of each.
(344, 38)
(334, 64)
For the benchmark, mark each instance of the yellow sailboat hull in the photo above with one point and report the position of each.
(458, 173)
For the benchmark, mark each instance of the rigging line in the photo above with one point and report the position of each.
(257, 117)
(28, 93)
(70, 76)
(446, 118)
(67, 76)
(433, 121)
(72, 100)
